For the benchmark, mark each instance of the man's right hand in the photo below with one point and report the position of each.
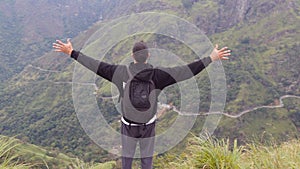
(222, 54)
(66, 48)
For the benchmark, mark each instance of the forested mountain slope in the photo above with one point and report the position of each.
(28, 27)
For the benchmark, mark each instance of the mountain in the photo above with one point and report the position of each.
(36, 99)
(28, 28)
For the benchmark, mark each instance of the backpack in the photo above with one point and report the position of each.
(139, 101)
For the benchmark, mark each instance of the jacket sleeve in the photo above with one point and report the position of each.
(102, 69)
(168, 76)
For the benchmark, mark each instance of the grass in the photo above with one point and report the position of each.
(281, 156)
(225, 154)
(199, 153)
(9, 160)
(17, 155)
(210, 154)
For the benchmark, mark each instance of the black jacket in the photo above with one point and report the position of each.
(161, 76)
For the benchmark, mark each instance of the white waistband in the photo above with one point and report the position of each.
(133, 124)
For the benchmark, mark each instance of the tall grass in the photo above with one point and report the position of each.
(211, 154)
(286, 155)
(223, 154)
(200, 154)
(14, 155)
(8, 159)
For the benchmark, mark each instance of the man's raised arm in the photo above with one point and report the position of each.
(169, 76)
(102, 69)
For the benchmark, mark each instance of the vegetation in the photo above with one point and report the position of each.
(224, 154)
(9, 160)
(23, 40)
(206, 153)
(15, 154)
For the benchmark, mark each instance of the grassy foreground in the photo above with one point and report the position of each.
(199, 154)
(221, 154)
(15, 154)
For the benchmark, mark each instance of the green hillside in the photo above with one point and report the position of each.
(28, 29)
(17, 154)
(37, 106)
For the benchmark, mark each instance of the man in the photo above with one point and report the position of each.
(136, 129)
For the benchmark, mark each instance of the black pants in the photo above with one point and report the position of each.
(131, 135)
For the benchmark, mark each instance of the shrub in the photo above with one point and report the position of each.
(210, 154)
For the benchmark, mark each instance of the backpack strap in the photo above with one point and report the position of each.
(129, 73)
(130, 77)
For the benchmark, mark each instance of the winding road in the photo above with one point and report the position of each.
(44, 70)
(171, 107)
